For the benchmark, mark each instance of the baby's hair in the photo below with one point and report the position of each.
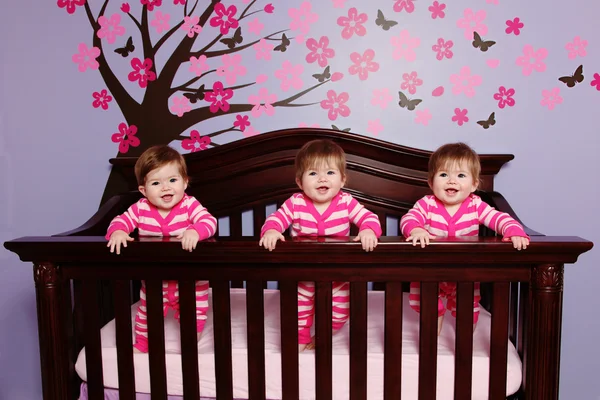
(451, 153)
(157, 157)
(320, 151)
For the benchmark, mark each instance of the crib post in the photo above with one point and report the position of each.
(51, 311)
(543, 340)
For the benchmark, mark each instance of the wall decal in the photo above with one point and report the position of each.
(385, 24)
(572, 80)
(423, 117)
(505, 97)
(411, 81)
(101, 99)
(442, 48)
(127, 49)
(407, 103)
(353, 24)
(437, 10)
(481, 44)
(472, 22)
(465, 82)
(550, 98)
(514, 26)
(492, 62)
(374, 127)
(341, 130)
(460, 116)
(438, 91)
(488, 122)
(532, 60)
(576, 48)
(596, 81)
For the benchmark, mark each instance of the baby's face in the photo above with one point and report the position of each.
(164, 187)
(322, 183)
(453, 184)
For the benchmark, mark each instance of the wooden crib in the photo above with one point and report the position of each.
(81, 286)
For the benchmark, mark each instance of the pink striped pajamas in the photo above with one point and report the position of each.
(430, 214)
(300, 212)
(187, 214)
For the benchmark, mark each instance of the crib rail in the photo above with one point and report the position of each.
(85, 263)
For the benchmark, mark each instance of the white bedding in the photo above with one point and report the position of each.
(445, 364)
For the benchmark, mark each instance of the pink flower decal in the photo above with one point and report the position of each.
(125, 8)
(514, 26)
(460, 116)
(550, 98)
(263, 49)
(290, 75)
(405, 46)
(231, 68)
(505, 97)
(532, 60)
(353, 23)
(336, 104)
(596, 81)
(198, 65)
(182, 2)
(374, 127)
(269, 8)
(195, 142)
(225, 18)
(250, 131)
(338, 3)
(407, 5)
(336, 76)
(423, 117)
(218, 97)
(437, 10)
(180, 106)
(160, 22)
(492, 2)
(70, 5)
(101, 99)
(190, 25)
(125, 137)
(363, 64)
(319, 51)
(411, 82)
(305, 125)
(86, 57)
(381, 98)
(255, 26)
(262, 103)
(110, 28)
(464, 82)
(142, 72)
(302, 17)
(442, 48)
(577, 48)
(473, 21)
(241, 122)
(150, 4)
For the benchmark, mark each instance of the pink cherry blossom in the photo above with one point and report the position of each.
(263, 49)
(70, 4)
(225, 18)
(374, 127)
(190, 25)
(110, 28)
(473, 22)
(218, 98)
(305, 125)
(338, 3)
(250, 131)
(437, 10)
(423, 116)
(125, 8)
(363, 64)
(550, 98)
(180, 106)
(263, 102)
(596, 81)
(353, 23)
(319, 51)
(405, 46)
(532, 60)
(460, 116)
(381, 98)
(126, 137)
(336, 76)
(407, 5)
(514, 26)
(492, 2)
(142, 72)
(182, 2)
(290, 75)
(150, 4)
(231, 68)
(255, 26)
(411, 82)
(464, 82)
(241, 122)
(505, 97)
(101, 99)
(336, 104)
(269, 8)
(160, 21)
(576, 48)
(86, 58)
(198, 65)
(302, 17)
(195, 142)
(442, 48)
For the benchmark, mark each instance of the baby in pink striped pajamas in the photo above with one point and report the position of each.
(165, 210)
(454, 211)
(321, 209)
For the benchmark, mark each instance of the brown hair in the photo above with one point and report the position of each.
(451, 153)
(320, 151)
(157, 157)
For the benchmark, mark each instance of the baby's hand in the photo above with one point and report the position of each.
(519, 242)
(118, 238)
(270, 238)
(367, 238)
(189, 239)
(420, 235)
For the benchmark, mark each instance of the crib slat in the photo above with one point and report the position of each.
(189, 339)
(523, 318)
(222, 330)
(499, 340)
(514, 312)
(235, 224)
(358, 340)
(288, 293)
(156, 339)
(259, 215)
(383, 222)
(323, 356)
(124, 342)
(392, 368)
(463, 362)
(255, 311)
(93, 351)
(428, 341)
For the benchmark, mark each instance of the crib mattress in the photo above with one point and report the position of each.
(341, 363)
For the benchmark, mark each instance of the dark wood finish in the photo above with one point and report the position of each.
(288, 293)
(255, 321)
(222, 329)
(392, 367)
(428, 341)
(189, 339)
(463, 362)
(499, 340)
(124, 341)
(323, 350)
(156, 339)
(93, 353)
(358, 341)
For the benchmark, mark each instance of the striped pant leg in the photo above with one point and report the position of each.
(141, 322)
(451, 305)
(306, 310)
(341, 304)
(414, 298)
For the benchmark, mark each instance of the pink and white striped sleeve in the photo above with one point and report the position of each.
(202, 221)
(127, 221)
(281, 219)
(362, 217)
